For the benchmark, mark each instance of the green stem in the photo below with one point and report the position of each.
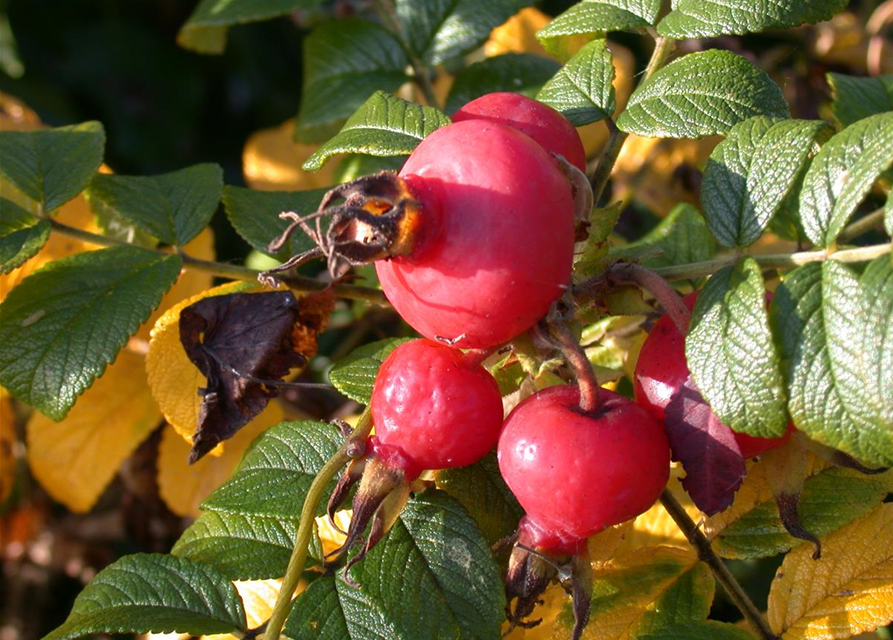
(720, 571)
(305, 529)
(862, 225)
(223, 270)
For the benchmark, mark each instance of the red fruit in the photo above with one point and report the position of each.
(539, 121)
(662, 369)
(494, 245)
(576, 474)
(436, 406)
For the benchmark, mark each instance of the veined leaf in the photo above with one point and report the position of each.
(154, 593)
(344, 62)
(853, 99)
(705, 629)
(438, 30)
(522, 73)
(680, 238)
(847, 592)
(21, 235)
(205, 30)
(751, 172)
(888, 215)
(834, 334)
(842, 174)
(383, 126)
(701, 94)
(601, 16)
(582, 90)
(697, 19)
(173, 207)
(52, 166)
(353, 376)
(731, 354)
(65, 323)
(432, 576)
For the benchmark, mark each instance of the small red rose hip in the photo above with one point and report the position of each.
(541, 122)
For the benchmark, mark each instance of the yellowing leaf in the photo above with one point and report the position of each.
(76, 458)
(7, 442)
(553, 600)
(329, 536)
(174, 380)
(656, 527)
(846, 592)
(15, 115)
(183, 486)
(518, 34)
(272, 161)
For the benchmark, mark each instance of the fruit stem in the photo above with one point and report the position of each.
(300, 284)
(862, 225)
(590, 397)
(630, 273)
(305, 529)
(720, 571)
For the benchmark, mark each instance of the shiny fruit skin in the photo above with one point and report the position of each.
(435, 406)
(541, 122)
(496, 243)
(661, 369)
(576, 474)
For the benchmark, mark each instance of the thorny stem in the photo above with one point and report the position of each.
(722, 574)
(590, 397)
(862, 225)
(666, 295)
(305, 529)
(223, 270)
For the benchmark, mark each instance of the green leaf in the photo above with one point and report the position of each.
(432, 577)
(383, 126)
(680, 238)
(582, 90)
(698, 19)
(701, 94)
(64, 323)
(21, 235)
(598, 17)
(275, 473)
(482, 491)
(888, 215)
(345, 61)
(731, 355)
(438, 30)
(853, 99)
(705, 629)
(353, 376)
(836, 339)
(522, 73)
(10, 62)
(592, 257)
(155, 593)
(842, 174)
(255, 216)
(52, 166)
(760, 533)
(173, 207)
(751, 172)
(205, 30)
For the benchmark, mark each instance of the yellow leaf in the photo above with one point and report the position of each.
(329, 536)
(258, 598)
(183, 486)
(15, 115)
(76, 458)
(7, 442)
(272, 161)
(518, 34)
(553, 600)
(173, 378)
(846, 592)
(603, 546)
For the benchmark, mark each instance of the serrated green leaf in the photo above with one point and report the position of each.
(438, 30)
(680, 238)
(853, 99)
(830, 500)
(888, 215)
(731, 355)
(345, 61)
(205, 30)
(52, 166)
(705, 629)
(698, 19)
(836, 339)
(255, 216)
(21, 235)
(275, 473)
(154, 593)
(173, 207)
(751, 172)
(842, 174)
(65, 323)
(522, 73)
(600, 16)
(701, 94)
(482, 491)
(582, 90)
(354, 375)
(383, 126)
(432, 577)
(592, 257)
